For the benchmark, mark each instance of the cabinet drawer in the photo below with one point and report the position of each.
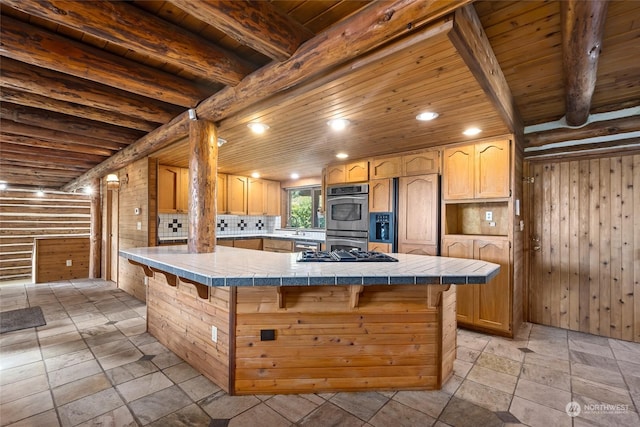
(276, 245)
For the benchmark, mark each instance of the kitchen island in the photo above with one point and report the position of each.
(260, 322)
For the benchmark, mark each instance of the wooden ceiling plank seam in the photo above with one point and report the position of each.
(366, 30)
(71, 109)
(52, 84)
(582, 35)
(127, 26)
(256, 24)
(44, 49)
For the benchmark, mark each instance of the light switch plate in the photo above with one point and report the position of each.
(488, 216)
(69, 263)
(214, 334)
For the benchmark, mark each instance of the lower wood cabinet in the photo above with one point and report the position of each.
(379, 247)
(277, 245)
(485, 307)
(248, 244)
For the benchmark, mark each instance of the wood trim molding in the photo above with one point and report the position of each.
(147, 270)
(172, 279)
(203, 290)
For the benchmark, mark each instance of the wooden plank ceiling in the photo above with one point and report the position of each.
(81, 81)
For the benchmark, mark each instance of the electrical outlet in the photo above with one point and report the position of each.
(69, 263)
(488, 216)
(214, 334)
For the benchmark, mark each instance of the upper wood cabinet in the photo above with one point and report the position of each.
(173, 189)
(477, 171)
(237, 194)
(221, 194)
(422, 163)
(418, 213)
(347, 172)
(263, 197)
(386, 167)
(380, 195)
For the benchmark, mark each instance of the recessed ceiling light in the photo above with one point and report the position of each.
(255, 175)
(342, 155)
(295, 176)
(257, 127)
(39, 193)
(338, 124)
(88, 190)
(426, 116)
(221, 142)
(3, 185)
(472, 131)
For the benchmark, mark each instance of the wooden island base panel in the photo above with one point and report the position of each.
(258, 332)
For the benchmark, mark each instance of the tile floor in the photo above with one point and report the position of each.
(93, 364)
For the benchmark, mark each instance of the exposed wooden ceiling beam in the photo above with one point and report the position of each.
(595, 129)
(19, 152)
(15, 128)
(39, 81)
(370, 28)
(472, 43)
(44, 103)
(127, 26)
(582, 33)
(63, 146)
(64, 123)
(257, 24)
(590, 150)
(42, 48)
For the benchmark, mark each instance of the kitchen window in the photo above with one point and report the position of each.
(304, 207)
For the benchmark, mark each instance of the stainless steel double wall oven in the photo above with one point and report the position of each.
(347, 217)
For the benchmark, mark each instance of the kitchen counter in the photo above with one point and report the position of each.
(241, 236)
(260, 322)
(237, 267)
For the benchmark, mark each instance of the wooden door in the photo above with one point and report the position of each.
(237, 192)
(461, 248)
(168, 184)
(221, 194)
(492, 169)
(357, 172)
(421, 163)
(381, 195)
(387, 167)
(418, 210)
(493, 300)
(458, 176)
(255, 197)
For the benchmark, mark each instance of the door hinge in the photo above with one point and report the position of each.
(528, 179)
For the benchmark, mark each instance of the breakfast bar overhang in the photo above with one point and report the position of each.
(262, 323)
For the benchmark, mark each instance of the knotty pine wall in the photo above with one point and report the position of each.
(136, 182)
(586, 275)
(51, 255)
(25, 216)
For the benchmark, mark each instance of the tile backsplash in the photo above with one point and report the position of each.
(176, 226)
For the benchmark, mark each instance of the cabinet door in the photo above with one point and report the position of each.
(380, 195)
(417, 249)
(272, 197)
(168, 184)
(379, 247)
(224, 242)
(461, 248)
(421, 163)
(357, 172)
(255, 204)
(335, 174)
(388, 167)
(248, 244)
(221, 194)
(183, 191)
(458, 176)
(237, 187)
(493, 300)
(418, 210)
(492, 169)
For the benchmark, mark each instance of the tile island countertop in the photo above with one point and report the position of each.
(246, 267)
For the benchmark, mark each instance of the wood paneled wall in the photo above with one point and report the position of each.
(586, 274)
(182, 321)
(25, 216)
(50, 258)
(135, 185)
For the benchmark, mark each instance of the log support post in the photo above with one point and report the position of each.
(95, 241)
(203, 166)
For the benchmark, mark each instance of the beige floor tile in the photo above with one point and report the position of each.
(62, 349)
(60, 339)
(462, 413)
(398, 415)
(225, 406)
(542, 394)
(73, 373)
(597, 375)
(130, 371)
(536, 415)
(330, 415)
(69, 359)
(562, 365)
(485, 396)
(499, 364)
(180, 372)
(259, 415)
(112, 347)
(28, 406)
(199, 387)
(593, 414)
(189, 416)
(16, 337)
(591, 348)
(119, 417)
(461, 368)
(80, 388)
(452, 384)
(293, 407)
(89, 407)
(144, 386)
(472, 340)
(546, 376)
(20, 359)
(159, 404)
(26, 387)
(467, 354)
(119, 359)
(489, 377)
(362, 404)
(429, 402)
(166, 359)
(19, 373)
(45, 419)
(504, 348)
(142, 339)
(601, 392)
